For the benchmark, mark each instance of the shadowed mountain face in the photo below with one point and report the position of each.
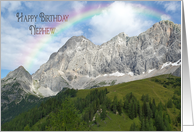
(17, 94)
(15, 86)
(81, 64)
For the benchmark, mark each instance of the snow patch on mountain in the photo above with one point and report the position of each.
(118, 74)
(149, 71)
(177, 63)
(131, 73)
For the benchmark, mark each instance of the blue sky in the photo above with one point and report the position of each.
(99, 28)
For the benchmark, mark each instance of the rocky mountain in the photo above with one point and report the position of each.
(17, 94)
(81, 64)
(15, 86)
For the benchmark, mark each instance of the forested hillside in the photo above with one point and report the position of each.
(152, 104)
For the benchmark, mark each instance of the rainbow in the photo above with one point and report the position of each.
(75, 18)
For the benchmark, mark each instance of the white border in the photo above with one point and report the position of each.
(181, 67)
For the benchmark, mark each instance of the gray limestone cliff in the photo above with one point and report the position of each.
(79, 61)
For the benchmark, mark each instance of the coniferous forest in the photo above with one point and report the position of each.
(152, 104)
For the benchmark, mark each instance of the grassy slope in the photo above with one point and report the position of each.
(139, 87)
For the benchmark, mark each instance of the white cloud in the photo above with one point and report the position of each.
(78, 5)
(165, 17)
(172, 6)
(48, 7)
(159, 2)
(119, 17)
(28, 4)
(10, 5)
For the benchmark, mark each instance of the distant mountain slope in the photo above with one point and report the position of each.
(15, 86)
(16, 94)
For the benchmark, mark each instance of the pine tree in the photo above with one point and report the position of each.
(106, 91)
(169, 103)
(165, 107)
(150, 114)
(130, 111)
(150, 103)
(132, 127)
(167, 124)
(151, 125)
(114, 104)
(133, 111)
(65, 119)
(144, 108)
(27, 128)
(174, 111)
(91, 112)
(147, 98)
(142, 125)
(103, 114)
(119, 107)
(138, 107)
(98, 104)
(160, 106)
(146, 124)
(108, 103)
(159, 121)
(140, 113)
(154, 102)
(143, 97)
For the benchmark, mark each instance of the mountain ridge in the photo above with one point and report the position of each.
(79, 62)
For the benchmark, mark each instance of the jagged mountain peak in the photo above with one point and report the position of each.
(18, 76)
(121, 38)
(21, 69)
(122, 34)
(76, 42)
(19, 72)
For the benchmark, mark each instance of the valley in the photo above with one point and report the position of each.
(146, 98)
